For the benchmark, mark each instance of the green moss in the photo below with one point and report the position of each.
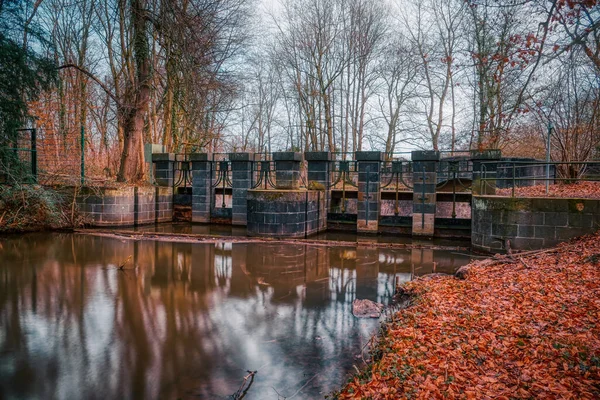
(312, 185)
(272, 195)
(502, 204)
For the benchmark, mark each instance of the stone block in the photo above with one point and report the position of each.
(548, 205)
(423, 224)
(199, 157)
(364, 226)
(287, 166)
(425, 155)
(419, 197)
(545, 232)
(368, 156)
(504, 230)
(427, 208)
(526, 231)
(486, 155)
(426, 177)
(420, 167)
(317, 156)
(397, 166)
(523, 218)
(495, 243)
(163, 157)
(580, 220)
(287, 156)
(423, 188)
(556, 218)
(234, 157)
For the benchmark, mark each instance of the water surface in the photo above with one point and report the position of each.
(191, 319)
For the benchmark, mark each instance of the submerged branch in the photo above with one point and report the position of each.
(199, 238)
(246, 383)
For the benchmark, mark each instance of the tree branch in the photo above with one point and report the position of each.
(93, 77)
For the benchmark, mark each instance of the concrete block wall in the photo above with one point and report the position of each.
(163, 204)
(286, 213)
(530, 223)
(319, 174)
(241, 181)
(202, 191)
(144, 205)
(164, 173)
(369, 191)
(287, 169)
(128, 206)
(424, 193)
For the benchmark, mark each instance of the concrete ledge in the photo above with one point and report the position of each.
(287, 156)
(369, 156)
(425, 155)
(200, 157)
(486, 155)
(163, 157)
(317, 156)
(241, 157)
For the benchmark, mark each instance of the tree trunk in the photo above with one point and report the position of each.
(132, 159)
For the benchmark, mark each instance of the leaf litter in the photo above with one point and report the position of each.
(581, 190)
(525, 327)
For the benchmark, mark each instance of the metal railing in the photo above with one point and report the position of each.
(20, 161)
(513, 175)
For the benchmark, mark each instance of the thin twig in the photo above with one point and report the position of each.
(524, 263)
(122, 265)
(241, 392)
(303, 386)
(509, 249)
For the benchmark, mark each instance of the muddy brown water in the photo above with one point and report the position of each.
(191, 319)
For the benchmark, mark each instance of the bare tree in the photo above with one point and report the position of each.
(397, 72)
(433, 29)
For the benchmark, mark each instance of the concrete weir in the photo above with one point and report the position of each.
(287, 210)
(296, 195)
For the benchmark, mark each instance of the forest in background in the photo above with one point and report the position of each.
(303, 75)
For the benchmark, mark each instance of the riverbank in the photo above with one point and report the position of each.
(29, 208)
(515, 327)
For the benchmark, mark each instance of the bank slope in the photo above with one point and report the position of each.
(522, 328)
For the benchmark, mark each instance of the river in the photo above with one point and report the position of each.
(187, 320)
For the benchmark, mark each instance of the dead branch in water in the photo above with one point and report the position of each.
(200, 238)
(246, 383)
(121, 266)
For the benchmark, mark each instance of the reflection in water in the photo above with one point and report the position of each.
(190, 319)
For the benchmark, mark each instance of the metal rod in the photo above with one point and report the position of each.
(223, 172)
(367, 194)
(344, 193)
(34, 155)
(513, 180)
(548, 157)
(481, 178)
(423, 200)
(82, 154)
(454, 195)
(396, 210)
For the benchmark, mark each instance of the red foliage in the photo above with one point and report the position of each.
(526, 328)
(582, 190)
